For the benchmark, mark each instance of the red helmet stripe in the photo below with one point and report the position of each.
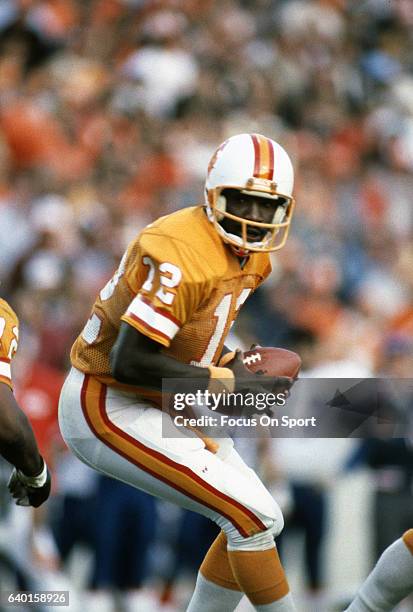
(257, 155)
(271, 160)
(264, 157)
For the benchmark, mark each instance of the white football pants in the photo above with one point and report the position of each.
(120, 435)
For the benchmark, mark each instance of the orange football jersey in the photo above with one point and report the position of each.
(178, 284)
(9, 334)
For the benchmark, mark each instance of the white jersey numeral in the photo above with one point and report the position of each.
(241, 298)
(147, 285)
(221, 313)
(110, 286)
(14, 343)
(170, 277)
(92, 328)
(15, 340)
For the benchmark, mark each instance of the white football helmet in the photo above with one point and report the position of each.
(255, 165)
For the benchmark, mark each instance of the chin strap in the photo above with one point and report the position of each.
(239, 252)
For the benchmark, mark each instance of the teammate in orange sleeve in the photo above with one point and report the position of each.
(29, 483)
(165, 314)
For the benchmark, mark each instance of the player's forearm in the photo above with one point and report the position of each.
(138, 360)
(18, 446)
(17, 441)
(148, 370)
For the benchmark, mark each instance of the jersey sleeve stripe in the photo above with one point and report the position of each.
(173, 474)
(144, 327)
(162, 311)
(155, 318)
(5, 368)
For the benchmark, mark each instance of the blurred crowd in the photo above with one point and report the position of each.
(109, 113)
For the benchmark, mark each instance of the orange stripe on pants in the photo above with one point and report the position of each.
(408, 540)
(180, 477)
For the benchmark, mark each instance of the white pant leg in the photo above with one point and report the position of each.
(121, 435)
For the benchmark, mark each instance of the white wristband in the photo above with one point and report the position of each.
(34, 481)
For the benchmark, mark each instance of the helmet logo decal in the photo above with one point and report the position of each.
(215, 156)
(264, 157)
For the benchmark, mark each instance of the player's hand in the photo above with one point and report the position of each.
(250, 382)
(244, 377)
(30, 490)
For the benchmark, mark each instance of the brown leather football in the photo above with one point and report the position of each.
(272, 361)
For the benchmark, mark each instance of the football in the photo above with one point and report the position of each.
(271, 361)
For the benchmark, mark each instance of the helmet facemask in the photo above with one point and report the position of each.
(277, 230)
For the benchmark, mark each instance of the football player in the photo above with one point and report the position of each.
(165, 314)
(390, 581)
(29, 483)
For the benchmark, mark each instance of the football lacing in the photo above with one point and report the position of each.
(252, 358)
